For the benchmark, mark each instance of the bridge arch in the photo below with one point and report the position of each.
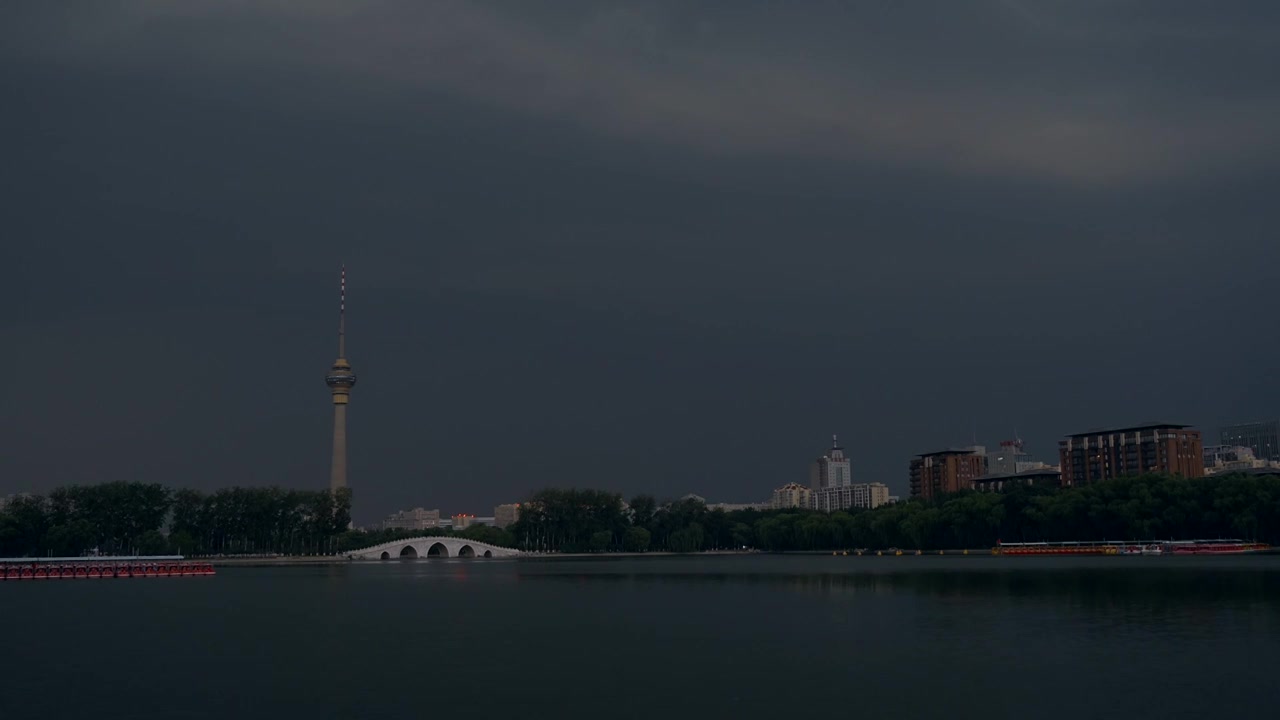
(409, 551)
(385, 555)
(488, 553)
(466, 551)
(438, 550)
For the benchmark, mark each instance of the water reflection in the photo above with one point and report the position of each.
(1091, 588)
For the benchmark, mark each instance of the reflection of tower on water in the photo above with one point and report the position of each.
(340, 381)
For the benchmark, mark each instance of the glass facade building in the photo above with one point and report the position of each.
(1260, 437)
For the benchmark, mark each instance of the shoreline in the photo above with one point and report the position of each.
(287, 560)
(322, 560)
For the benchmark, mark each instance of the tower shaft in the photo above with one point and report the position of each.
(338, 469)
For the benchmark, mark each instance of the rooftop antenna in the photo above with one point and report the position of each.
(834, 442)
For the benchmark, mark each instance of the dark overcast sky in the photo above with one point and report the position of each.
(659, 246)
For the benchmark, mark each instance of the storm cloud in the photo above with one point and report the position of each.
(647, 247)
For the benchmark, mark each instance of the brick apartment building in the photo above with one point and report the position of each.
(1097, 455)
(946, 471)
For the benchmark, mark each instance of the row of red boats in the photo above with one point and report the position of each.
(93, 571)
(1147, 547)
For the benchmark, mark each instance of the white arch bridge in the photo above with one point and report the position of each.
(432, 547)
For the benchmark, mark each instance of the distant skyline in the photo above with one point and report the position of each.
(642, 247)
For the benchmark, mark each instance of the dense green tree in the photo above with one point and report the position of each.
(643, 508)
(600, 540)
(131, 517)
(488, 534)
(565, 520)
(636, 539)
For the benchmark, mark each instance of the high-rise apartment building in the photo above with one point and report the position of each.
(935, 474)
(831, 480)
(832, 469)
(1263, 438)
(1098, 455)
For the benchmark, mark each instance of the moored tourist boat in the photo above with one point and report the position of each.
(1146, 547)
(1057, 548)
(1214, 547)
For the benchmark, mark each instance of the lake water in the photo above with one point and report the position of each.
(673, 637)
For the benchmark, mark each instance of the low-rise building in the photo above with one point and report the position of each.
(792, 495)
(415, 519)
(1232, 458)
(463, 521)
(506, 515)
(831, 499)
(735, 507)
(1038, 477)
(848, 497)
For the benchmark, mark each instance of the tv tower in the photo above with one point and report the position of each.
(340, 381)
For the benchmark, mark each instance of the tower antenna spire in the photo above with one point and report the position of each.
(342, 313)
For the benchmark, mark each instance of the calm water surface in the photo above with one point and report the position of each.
(697, 637)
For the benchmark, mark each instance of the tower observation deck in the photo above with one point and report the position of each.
(340, 381)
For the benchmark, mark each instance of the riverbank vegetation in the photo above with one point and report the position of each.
(136, 518)
(126, 518)
(148, 519)
(1139, 508)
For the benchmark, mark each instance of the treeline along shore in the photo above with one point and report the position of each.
(1138, 508)
(124, 518)
(129, 518)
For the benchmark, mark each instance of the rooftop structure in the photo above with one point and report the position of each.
(1038, 477)
(1129, 429)
(1011, 458)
